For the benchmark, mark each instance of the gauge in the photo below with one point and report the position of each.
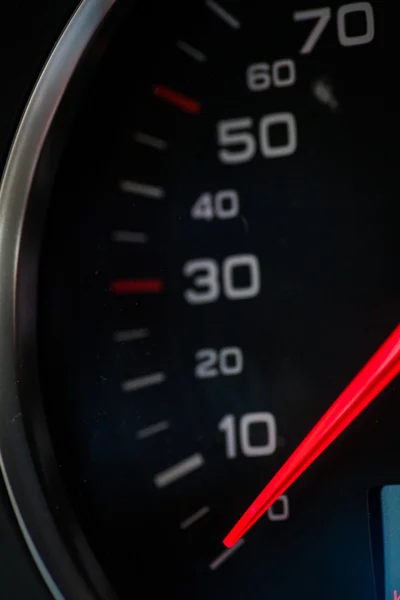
(219, 260)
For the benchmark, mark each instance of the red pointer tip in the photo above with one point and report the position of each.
(370, 381)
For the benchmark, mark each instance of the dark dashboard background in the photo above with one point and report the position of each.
(28, 31)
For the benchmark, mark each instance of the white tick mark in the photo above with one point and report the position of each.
(225, 555)
(131, 335)
(191, 51)
(141, 189)
(223, 14)
(181, 469)
(150, 140)
(152, 430)
(130, 237)
(195, 517)
(131, 385)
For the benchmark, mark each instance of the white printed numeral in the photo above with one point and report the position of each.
(266, 123)
(223, 205)
(356, 40)
(211, 362)
(228, 426)
(231, 133)
(263, 76)
(324, 15)
(206, 279)
(279, 511)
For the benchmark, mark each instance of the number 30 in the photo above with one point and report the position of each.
(207, 286)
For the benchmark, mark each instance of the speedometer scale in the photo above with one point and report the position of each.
(220, 260)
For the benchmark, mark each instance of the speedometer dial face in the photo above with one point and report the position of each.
(220, 260)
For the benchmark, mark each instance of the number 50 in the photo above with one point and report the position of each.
(239, 145)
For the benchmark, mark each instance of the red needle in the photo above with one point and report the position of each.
(370, 381)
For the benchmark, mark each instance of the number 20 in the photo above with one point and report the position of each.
(211, 363)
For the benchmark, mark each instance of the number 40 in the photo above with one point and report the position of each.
(222, 205)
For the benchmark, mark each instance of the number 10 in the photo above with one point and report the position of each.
(228, 426)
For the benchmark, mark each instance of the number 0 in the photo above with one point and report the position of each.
(279, 511)
(263, 418)
(285, 149)
(252, 287)
(355, 40)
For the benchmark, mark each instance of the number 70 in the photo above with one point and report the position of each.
(324, 15)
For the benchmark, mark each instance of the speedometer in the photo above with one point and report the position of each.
(219, 260)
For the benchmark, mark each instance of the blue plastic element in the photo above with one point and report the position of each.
(390, 499)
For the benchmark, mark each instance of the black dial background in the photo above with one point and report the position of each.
(323, 223)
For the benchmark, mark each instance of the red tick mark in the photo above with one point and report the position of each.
(183, 102)
(137, 286)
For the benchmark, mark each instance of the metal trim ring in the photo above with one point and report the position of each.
(17, 466)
